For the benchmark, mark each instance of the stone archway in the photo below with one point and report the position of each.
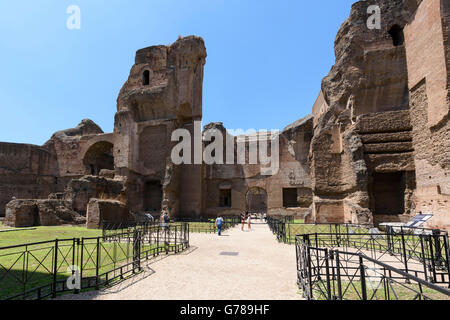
(256, 200)
(99, 156)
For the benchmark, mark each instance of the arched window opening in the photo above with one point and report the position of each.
(397, 35)
(146, 78)
(98, 157)
(256, 200)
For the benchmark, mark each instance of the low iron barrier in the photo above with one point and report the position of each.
(196, 225)
(421, 252)
(333, 274)
(45, 269)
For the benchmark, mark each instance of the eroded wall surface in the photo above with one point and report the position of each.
(428, 49)
(163, 93)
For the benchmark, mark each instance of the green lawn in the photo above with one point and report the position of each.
(397, 291)
(44, 234)
(31, 266)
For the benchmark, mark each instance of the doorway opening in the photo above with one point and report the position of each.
(152, 196)
(256, 200)
(388, 192)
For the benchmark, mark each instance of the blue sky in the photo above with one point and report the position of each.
(265, 59)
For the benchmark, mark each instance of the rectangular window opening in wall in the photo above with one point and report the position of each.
(290, 198)
(225, 198)
(388, 193)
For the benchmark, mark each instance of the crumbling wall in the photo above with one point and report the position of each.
(163, 93)
(49, 212)
(293, 173)
(26, 171)
(428, 55)
(369, 79)
(109, 211)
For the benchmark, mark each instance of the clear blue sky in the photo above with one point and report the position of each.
(265, 59)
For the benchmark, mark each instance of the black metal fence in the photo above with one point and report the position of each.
(45, 269)
(333, 274)
(196, 225)
(286, 230)
(421, 252)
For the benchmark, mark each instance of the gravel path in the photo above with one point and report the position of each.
(262, 269)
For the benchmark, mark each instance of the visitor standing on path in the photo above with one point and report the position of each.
(249, 221)
(164, 220)
(219, 224)
(242, 220)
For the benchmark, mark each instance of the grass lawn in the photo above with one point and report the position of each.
(397, 291)
(44, 234)
(31, 266)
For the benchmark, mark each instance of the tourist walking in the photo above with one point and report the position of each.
(164, 220)
(219, 224)
(242, 221)
(249, 221)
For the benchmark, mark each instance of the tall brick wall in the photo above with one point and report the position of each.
(26, 172)
(426, 57)
(445, 9)
(428, 54)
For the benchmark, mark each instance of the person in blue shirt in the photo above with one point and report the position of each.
(219, 224)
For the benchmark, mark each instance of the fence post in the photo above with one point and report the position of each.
(327, 271)
(157, 239)
(447, 256)
(311, 295)
(404, 255)
(81, 263)
(166, 243)
(390, 232)
(338, 271)
(438, 248)
(97, 266)
(176, 249)
(424, 259)
(74, 262)
(55, 269)
(136, 250)
(363, 278)
(289, 233)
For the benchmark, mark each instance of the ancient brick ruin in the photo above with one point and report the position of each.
(376, 147)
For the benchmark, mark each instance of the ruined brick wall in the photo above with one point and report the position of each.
(426, 57)
(428, 68)
(294, 173)
(432, 161)
(319, 108)
(26, 171)
(162, 93)
(34, 172)
(369, 81)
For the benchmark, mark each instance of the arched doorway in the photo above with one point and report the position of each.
(256, 200)
(99, 156)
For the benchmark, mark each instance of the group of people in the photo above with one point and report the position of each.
(246, 217)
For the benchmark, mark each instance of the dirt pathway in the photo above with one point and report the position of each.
(237, 266)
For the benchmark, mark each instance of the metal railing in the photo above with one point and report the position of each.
(334, 274)
(41, 270)
(286, 231)
(196, 225)
(421, 252)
